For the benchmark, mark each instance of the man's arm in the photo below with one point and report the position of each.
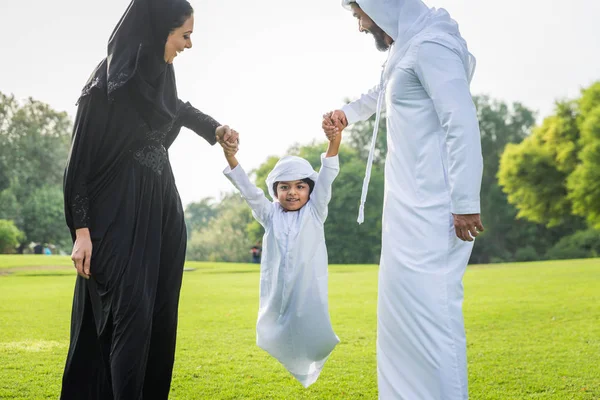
(358, 110)
(362, 108)
(442, 74)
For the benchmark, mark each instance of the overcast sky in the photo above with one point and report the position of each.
(271, 68)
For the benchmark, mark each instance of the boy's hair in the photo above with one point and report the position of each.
(308, 181)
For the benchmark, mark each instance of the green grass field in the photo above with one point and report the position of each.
(533, 332)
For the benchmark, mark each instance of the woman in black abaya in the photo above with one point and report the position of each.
(124, 211)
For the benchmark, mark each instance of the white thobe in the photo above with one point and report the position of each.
(293, 319)
(433, 169)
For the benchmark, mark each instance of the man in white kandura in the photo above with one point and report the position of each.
(432, 181)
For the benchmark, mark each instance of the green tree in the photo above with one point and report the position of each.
(534, 173)
(225, 238)
(10, 236)
(552, 177)
(9, 206)
(34, 144)
(199, 214)
(584, 182)
(43, 216)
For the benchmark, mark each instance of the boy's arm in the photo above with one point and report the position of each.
(262, 208)
(232, 161)
(334, 146)
(330, 167)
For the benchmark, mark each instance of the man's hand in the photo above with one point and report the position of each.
(467, 226)
(333, 123)
(82, 252)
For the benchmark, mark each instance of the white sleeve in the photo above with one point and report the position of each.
(321, 195)
(442, 74)
(262, 208)
(363, 108)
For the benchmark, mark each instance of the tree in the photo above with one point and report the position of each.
(534, 173)
(10, 236)
(553, 176)
(34, 144)
(584, 183)
(43, 216)
(225, 238)
(199, 214)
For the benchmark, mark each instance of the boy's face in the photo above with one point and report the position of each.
(293, 195)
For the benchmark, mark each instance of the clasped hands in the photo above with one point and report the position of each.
(229, 139)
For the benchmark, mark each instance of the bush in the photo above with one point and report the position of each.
(526, 253)
(583, 244)
(10, 236)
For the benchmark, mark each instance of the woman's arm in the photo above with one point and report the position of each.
(90, 124)
(204, 125)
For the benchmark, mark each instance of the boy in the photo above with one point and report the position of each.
(293, 319)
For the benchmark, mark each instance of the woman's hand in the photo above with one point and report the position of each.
(225, 134)
(229, 139)
(82, 252)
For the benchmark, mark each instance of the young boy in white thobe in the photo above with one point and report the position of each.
(293, 319)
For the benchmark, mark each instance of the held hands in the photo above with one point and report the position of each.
(82, 252)
(229, 140)
(467, 226)
(334, 123)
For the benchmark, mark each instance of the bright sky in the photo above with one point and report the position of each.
(271, 68)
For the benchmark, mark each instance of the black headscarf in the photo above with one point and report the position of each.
(135, 60)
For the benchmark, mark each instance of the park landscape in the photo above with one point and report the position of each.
(533, 331)
(532, 289)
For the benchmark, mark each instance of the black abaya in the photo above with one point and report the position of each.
(124, 318)
(119, 184)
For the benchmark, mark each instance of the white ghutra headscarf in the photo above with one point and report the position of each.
(290, 168)
(408, 23)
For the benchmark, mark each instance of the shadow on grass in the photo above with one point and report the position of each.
(28, 275)
(235, 271)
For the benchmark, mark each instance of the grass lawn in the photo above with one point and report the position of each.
(9, 261)
(533, 332)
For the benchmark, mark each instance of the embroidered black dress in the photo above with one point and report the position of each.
(119, 184)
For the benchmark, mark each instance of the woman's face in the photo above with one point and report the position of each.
(179, 40)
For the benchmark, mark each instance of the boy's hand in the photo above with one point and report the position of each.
(231, 147)
(228, 139)
(334, 122)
